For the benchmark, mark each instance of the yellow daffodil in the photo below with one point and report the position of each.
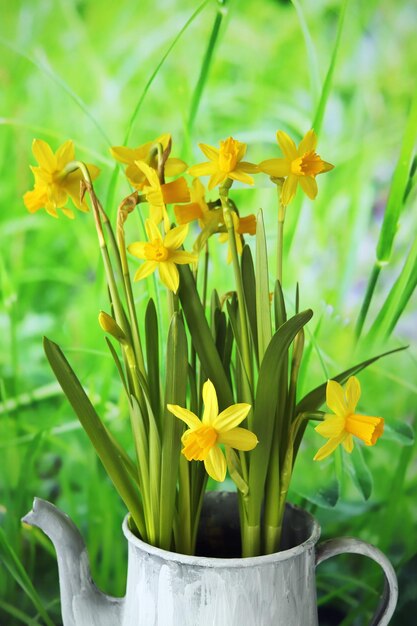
(162, 253)
(225, 162)
(198, 208)
(52, 184)
(158, 196)
(202, 439)
(299, 165)
(242, 226)
(135, 174)
(345, 423)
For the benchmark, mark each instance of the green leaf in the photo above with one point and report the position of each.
(361, 474)
(152, 356)
(266, 401)
(315, 398)
(175, 393)
(118, 365)
(235, 470)
(249, 289)
(110, 455)
(202, 338)
(279, 306)
(401, 432)
(263, 306)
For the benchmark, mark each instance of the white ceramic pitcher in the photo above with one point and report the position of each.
(169, 589)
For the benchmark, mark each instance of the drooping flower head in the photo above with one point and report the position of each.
(225, 162)
(299, 165)
(159, 195)
(242, 226)
(53, 184)
(162, 253)
(345, 424)
(202, 439)
(135, 175)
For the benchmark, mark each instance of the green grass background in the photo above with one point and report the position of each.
(80, 70)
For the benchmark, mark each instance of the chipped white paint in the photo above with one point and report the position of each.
(168, 589)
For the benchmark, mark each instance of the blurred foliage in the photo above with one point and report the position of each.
(78, 70)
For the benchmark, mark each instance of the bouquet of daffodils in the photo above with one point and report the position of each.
(223, 398)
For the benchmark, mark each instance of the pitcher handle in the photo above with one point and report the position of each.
(388, 602)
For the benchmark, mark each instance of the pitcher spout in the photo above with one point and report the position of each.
(82, 603)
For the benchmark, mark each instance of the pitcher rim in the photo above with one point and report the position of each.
(205, 561)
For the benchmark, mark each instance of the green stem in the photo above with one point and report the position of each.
(280, 243)
(246, 353)
(368, 297)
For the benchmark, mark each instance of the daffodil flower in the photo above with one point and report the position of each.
(53, 184)
(225, 162)
(162, 253)
(202, 439)
(198, 208)
(345, 424)
(135, 174)
(159, 195)
(299, 165)
(242, 226)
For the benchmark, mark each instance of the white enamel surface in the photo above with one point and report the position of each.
(168, 593)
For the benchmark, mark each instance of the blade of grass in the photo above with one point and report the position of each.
(158, 67)
(395, 204)
(310, 52)
(16, 569)
(207, 61)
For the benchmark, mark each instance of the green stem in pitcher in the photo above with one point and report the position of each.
(246, 352)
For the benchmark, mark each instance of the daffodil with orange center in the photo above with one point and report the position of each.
(299, 165)
(225, 162)
(198, 208)
(159, 195)
(146, 152)
(162, 253)
(242, 226)
(53, 183)
(345, 424)
(202, 439)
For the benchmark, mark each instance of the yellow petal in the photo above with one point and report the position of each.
(215, 464)
(149, 172)
(211, 407)
(335, 398)
(203, 169)
(309, 186)
(288, 189)
(353, 393)
(175, 237)
(326, 167)
(278, 168)
(68, 213)
(44, 155)
(65, 154)
(169, 275)
(348, 444)
(308, 143)
(231, 417)
(241, 150)
(145, 269)
(185, 415)
(238, 438)
(251, 168)
(329, 447)
(209, 151)
(152, 231)
(332, 426)
(176, 191)
(217, 178)
(173, 167)
(137, 249)
(93, 170)
(288, 147)
(241, 176)
(188, 212)
(124, 155)
(180, 257)
(34, 199)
